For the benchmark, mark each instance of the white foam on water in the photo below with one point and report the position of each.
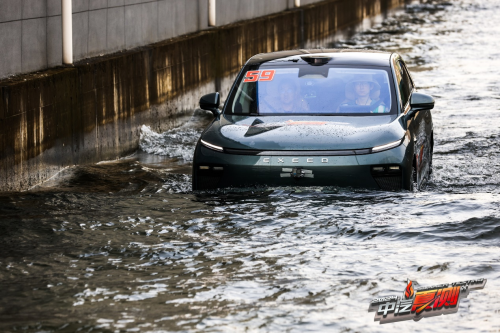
(176, 143)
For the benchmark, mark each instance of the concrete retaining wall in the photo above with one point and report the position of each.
(32, 28)
(93, 112)
(229, 11)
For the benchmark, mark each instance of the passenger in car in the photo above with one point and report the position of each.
(364, 90)
(283, 97)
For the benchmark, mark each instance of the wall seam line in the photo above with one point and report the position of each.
(46, 35)
(157, 20)
(106, 33)
(22, 10)
(88, 32)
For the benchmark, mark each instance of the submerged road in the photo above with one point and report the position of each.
(125, 246)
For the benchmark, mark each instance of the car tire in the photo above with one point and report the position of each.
(413, 180)
(430, 164)
(431, 151)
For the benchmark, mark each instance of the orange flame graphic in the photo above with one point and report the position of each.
(422, 308)
(409, 292)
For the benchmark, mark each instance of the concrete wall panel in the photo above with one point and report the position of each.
(202, 14)
(180, 17)
(162, 26)
(10, 38)
(191, 16)
(133, 29)
(164, 19)
(97, 4)
(80, 6)
(54, 41)
(34, 45)
(11, 10)
(116, 3)
(133, 2)
(53, 7)
(34, 8)
(229, 11)
(97, 32)
(115, 29)
(80, 34)
(149, 27)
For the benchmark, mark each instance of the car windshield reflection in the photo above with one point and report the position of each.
(312, 90)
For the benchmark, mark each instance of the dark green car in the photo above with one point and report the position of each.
(348, 118)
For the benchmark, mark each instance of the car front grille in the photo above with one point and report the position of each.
(208, 179)
(389, 183)
(388, 178)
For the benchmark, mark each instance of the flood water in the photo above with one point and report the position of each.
(126, 246)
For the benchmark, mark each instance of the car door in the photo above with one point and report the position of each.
(419, 125)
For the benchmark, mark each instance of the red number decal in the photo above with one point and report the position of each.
(267, 75)
(252, 76)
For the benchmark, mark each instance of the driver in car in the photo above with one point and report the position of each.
(364, 90)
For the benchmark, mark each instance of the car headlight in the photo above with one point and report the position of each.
(211, 146)
(386, 146)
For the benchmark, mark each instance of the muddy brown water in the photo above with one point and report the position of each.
(126, 246)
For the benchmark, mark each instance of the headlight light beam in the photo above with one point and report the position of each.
(386, 146)
(211, 146)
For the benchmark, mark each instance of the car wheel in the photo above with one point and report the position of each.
(430, 164)
(413, 180)
(431, 150)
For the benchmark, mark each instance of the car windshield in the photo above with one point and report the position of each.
(306, 89)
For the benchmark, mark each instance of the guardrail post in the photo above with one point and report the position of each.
(211, 13)
(67, 32)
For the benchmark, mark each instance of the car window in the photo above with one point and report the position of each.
(408, 77)
(404, 82)
(305, 89)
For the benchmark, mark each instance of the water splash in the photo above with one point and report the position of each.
(178, 143)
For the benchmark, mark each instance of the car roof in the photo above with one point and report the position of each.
(338, 57)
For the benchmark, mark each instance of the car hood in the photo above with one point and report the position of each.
(303, 132)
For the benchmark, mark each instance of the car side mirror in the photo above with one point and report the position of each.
(211, 102)
(419, 102)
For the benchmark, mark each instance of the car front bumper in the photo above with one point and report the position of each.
(387, 170)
